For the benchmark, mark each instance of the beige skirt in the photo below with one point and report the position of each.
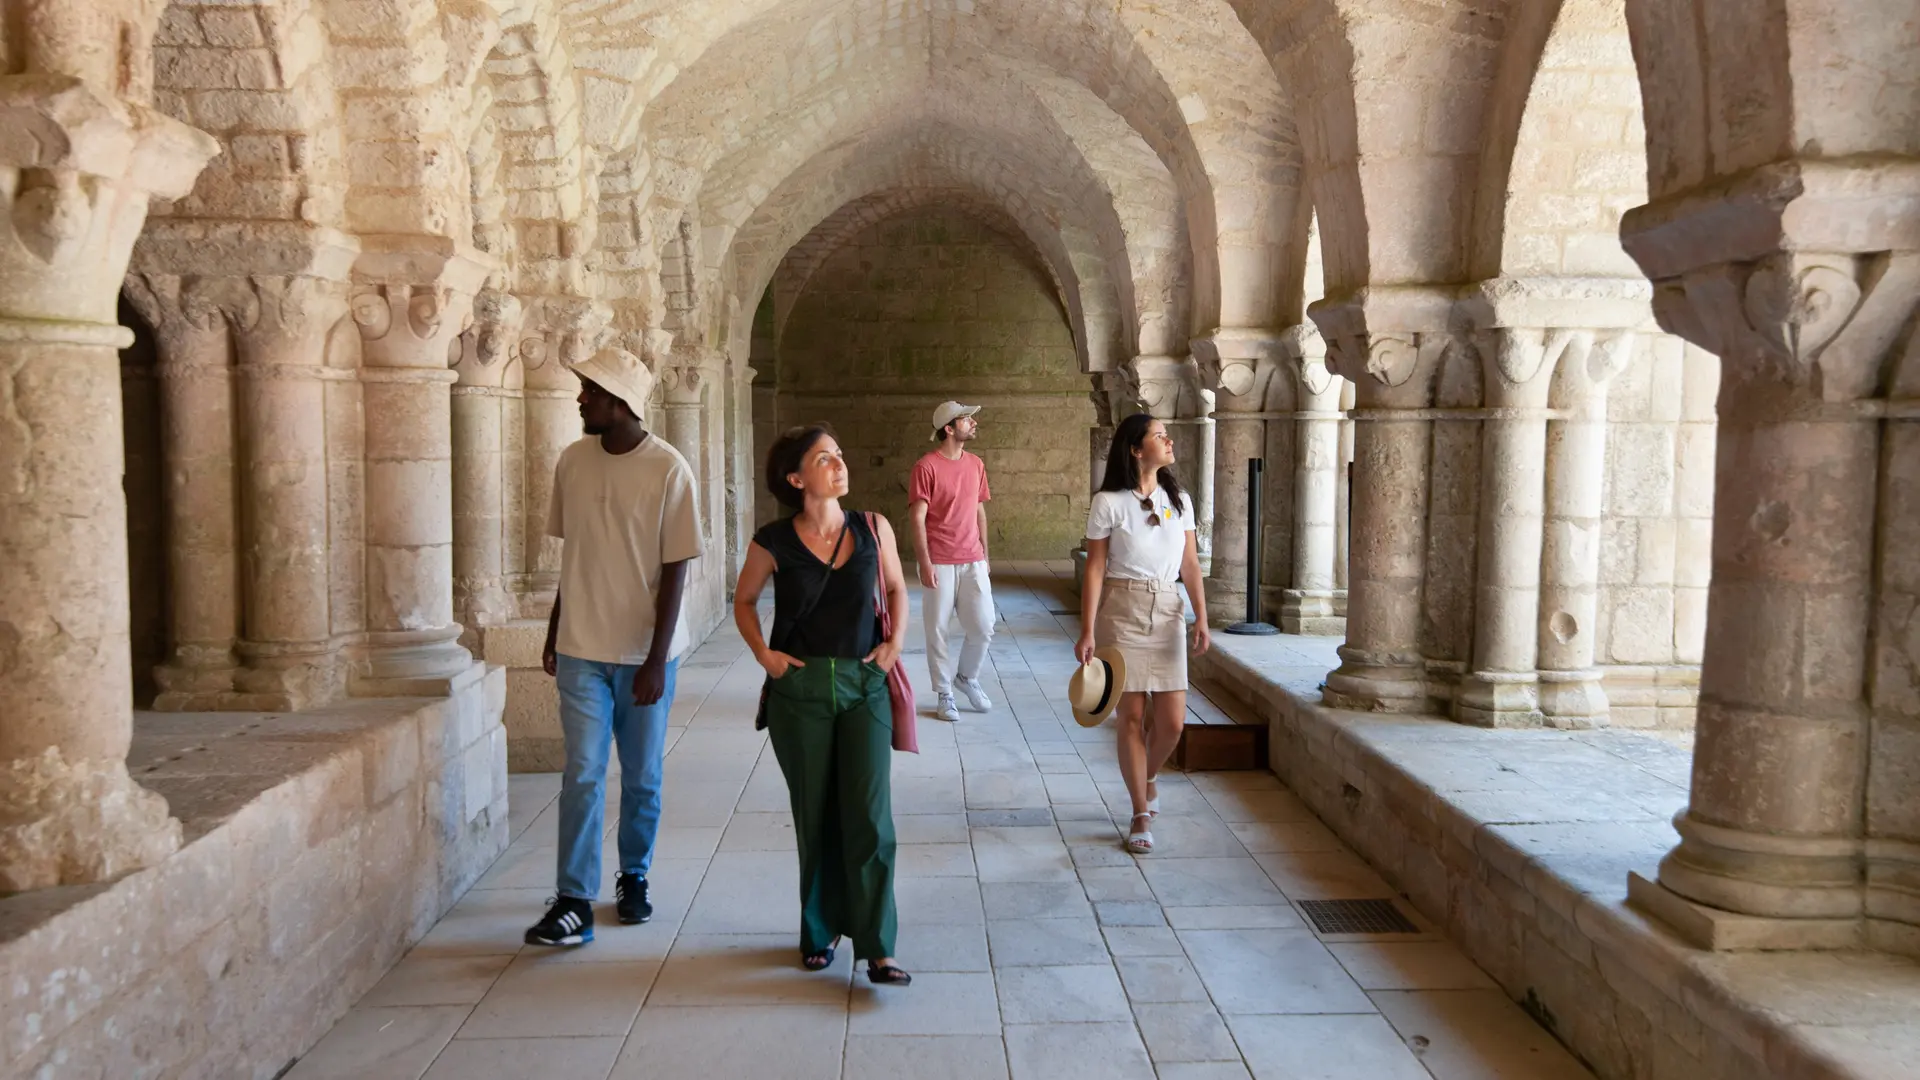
(1146, 621)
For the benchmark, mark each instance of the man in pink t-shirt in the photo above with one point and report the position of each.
(947, 496)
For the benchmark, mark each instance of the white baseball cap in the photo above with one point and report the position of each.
(621, 374)
(947, 413)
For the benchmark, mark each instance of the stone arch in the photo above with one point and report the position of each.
(1565, 153)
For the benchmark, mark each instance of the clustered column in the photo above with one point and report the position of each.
(1801, 813)
(479, 462)
(411, 302)
(1242, 363)
(1315, 601)
(1170, 388)
(74, 185)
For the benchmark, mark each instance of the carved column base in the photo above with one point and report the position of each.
(1573, 699)
(77, 822)
(1498, 699)
(1773, 876)
(1313, 612)
(282, 676)
(410, 662)
(1707, 927)
(1367, 682)
(194, 673)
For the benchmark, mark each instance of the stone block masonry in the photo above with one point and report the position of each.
(318, 848)
(924, 306)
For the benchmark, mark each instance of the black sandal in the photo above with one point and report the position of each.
(888, 974)
(820, 961)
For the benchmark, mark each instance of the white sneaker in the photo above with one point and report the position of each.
(947, 711)
(976, 694)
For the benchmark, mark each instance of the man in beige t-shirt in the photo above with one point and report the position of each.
(624, 508)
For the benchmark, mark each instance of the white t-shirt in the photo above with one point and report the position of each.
(1137, 551)
(622, 517)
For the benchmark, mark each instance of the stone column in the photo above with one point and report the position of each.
(480, 594)
(189, 317)
(412, 298)
(1389, 343)
(76, 169)
(1810, 667)
(560, 330)
(288, 644)
(1517, 363)
(1571, 694)
(1242, 364)
(683, 391)
(1315, 602)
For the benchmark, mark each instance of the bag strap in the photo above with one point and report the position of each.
(880, 570)
(813, 601)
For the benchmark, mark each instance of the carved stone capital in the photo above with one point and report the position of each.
(1240, 364)
(489, 345)
(1170, 387)
(413, 297)
(1306, 351)
(1388, 341)
(556, 331)
(76, 168)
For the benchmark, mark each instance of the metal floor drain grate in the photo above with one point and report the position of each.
(1357, 917)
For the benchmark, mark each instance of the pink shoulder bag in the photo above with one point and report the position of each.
(906, 734)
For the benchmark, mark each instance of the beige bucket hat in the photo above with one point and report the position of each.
(621, 374)
(1095, 687)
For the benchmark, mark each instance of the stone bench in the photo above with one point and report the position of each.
(1518, 844)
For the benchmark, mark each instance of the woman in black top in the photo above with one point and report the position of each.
(827, 710)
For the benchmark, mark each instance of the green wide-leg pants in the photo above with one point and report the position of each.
(832, 730)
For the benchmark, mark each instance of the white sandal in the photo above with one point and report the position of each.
(1140, 842)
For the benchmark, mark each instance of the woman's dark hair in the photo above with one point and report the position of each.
(1123, 469)
(785, 457)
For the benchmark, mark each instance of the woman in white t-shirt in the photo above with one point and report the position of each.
(1140, 550)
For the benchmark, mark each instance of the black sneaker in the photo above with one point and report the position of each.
(568, 922)
(630, 898)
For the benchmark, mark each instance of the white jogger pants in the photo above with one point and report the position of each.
(964, 587)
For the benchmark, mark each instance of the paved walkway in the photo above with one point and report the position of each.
(1040, 949)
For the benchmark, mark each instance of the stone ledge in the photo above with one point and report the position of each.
(319, 846)
(1519, 845)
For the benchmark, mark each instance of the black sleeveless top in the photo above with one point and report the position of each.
(841, 622)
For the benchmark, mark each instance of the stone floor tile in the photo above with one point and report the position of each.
(943, 947)
(589, 1058)
(1074, 787)
(1185, 1031)
(747, 892)
(1068, 764)
(1272, 971)
(1035, 900)
(938, 1003)
(1025, 817)
(1204, 1070)
(926, 1057)
(1409, 965)
(1233, 917)
(1045, 942)
(1061, 995)
(1108, 1051)
(1001, 860)
(1142, 941)
(1476, 1035)
(937, 900)
(760, 832)
(1323, 875)
(1261, 837)
(536, 997)
(1240, 805)
(485, 923)
(381, 1044)
(1116, 884)
(1129, 913)
(1159, 979)
(934, 860)
(925, 795)
(1210, 882)
(1005, 790)
(929, 828)
(765, 1043)
(1324, 1048)
(689, 841)
(1105, 855)
(431, 980)
(747, 969)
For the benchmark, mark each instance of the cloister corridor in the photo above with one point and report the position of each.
(1041, 949)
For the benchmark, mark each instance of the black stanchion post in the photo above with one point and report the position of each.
(1253, 625)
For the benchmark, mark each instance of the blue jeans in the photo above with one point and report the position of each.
(596, 707)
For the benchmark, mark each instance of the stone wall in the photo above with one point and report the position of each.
(319, 847)
(930, 305)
